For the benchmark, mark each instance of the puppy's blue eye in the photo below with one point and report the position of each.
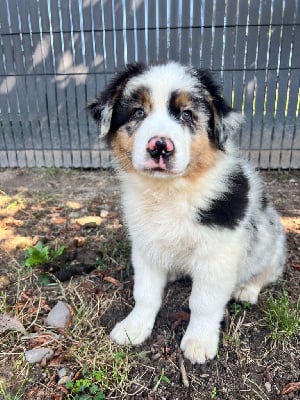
(186, 115)
(139, 113)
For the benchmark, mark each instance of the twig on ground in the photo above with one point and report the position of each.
(184, 376)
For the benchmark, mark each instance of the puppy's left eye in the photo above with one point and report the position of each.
(186, 115)
(139, 113)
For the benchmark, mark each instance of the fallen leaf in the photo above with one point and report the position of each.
(64, 333)
(88, 220)
(8, 323)
(178, 317)
(73, 204)
(79, 241)
(112, 280)
(57, 360)
(11, 221)
(291, 388)
(296, 266)
(58, 220)
(43, 339)
(63, 389)
(31, 394)
(60, 396)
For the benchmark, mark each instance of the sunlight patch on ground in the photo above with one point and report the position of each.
(291, 223)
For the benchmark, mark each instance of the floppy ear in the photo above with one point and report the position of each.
(223, 120)
(102, 114)
(101, 109)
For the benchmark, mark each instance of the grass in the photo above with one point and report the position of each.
(99, 369)
(116, 251)
(18, 395)
(162, 378)
(282, 317)
(235, 320)
(109, 365)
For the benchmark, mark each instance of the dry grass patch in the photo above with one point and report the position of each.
(249, 365)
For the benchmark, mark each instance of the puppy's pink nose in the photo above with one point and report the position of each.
(160, 146)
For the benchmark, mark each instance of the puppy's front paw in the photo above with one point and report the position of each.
(132, 330)
(248, 293)
(199, 349)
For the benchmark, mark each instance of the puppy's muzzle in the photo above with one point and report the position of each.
(159, 147)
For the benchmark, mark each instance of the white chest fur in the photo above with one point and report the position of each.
(162, 223)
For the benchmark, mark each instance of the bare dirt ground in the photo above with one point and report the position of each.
(80, 210)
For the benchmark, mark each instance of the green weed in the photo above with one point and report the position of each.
(162, 378)
(88, 387)
(214, 392)
(40, 253)
(282, 317)
(236, 308)
(93, 383)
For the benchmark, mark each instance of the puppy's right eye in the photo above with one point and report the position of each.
(186, 115)
(139, 113)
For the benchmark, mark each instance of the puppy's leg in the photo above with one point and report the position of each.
(207, 303)
(249, 290)
(148, 289)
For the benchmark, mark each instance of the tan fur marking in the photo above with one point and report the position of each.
(143, 99)
(122, 147)
(204, 155)
(182, 100)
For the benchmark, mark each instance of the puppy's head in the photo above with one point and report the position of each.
(164, 120)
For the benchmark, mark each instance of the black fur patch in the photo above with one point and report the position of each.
(174, 110)
(217, 108)
(124, 108)
(228, 210)
(120, 116)
(113, 92)
(207, 80)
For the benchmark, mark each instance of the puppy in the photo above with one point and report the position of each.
(192, 206)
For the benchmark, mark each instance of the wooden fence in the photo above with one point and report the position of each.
(55, 55)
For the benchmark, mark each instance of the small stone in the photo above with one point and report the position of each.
(268, 387)
(62, 372)
(74, 214)
(37, 355)
(103, 213)
(60, 316)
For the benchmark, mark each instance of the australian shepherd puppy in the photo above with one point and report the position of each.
(192, 205)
